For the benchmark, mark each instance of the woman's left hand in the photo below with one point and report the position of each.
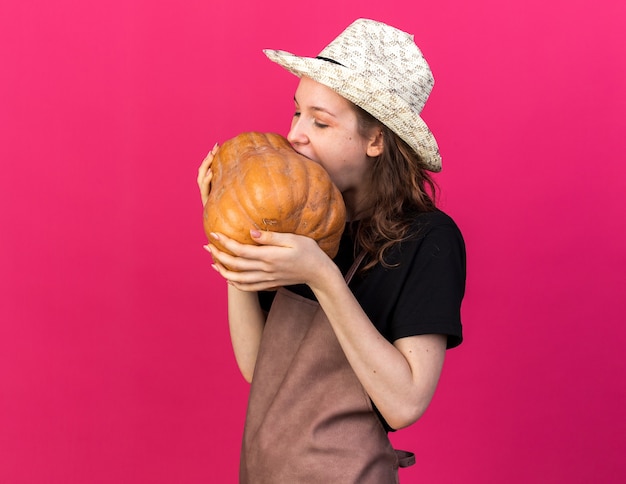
(280, 259)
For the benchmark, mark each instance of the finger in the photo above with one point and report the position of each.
(239, 257)
(263, 237)
(204, 166)
(233, 247)
(254, 287)
(245, 280)
(218, 256)
(246, 267)
(205, 186)
(206, 163)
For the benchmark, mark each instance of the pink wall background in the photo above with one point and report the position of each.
(115, 365)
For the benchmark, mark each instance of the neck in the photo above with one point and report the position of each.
(356, 206)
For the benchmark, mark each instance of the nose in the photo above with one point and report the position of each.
(297, 135)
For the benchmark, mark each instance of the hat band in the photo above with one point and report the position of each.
(332, 61)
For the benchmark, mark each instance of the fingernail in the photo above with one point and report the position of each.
(214, 236)
(214, 267)
(207, 248)
(255, 234)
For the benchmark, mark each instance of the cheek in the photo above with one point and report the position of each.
(332, 167)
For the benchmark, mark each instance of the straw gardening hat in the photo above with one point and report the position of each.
(380, 69)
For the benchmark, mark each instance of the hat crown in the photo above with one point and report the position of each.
(380, 69)
(389, 55)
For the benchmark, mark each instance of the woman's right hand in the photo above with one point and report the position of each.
(205, 175)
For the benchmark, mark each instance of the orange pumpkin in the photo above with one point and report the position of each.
(260, 181)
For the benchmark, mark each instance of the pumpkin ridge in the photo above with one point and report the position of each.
(246, 200)
(259, 186)
(314, 201)
(224, 222)
(297, 171)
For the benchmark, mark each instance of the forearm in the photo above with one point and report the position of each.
(400, 387)
(246, 321)
(400, 378)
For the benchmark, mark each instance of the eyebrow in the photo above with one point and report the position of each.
(316, 108)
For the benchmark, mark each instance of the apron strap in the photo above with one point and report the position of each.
(405, 458)
(355, 266)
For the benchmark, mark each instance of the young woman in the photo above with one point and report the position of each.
(350, 348)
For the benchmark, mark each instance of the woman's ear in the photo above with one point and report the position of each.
(376, 144)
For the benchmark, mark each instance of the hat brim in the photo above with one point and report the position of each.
(369, 94)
